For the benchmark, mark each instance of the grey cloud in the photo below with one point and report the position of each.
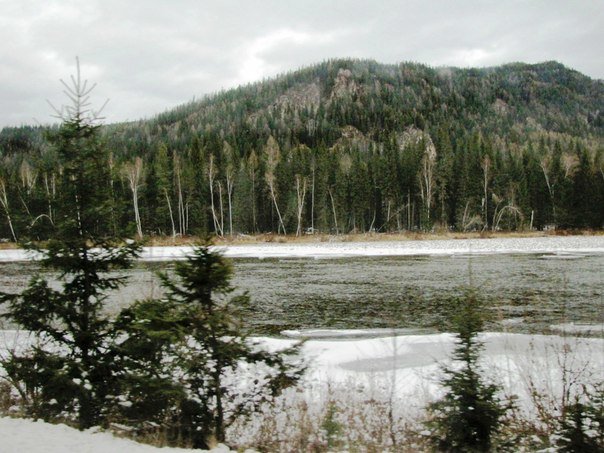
(151, 55)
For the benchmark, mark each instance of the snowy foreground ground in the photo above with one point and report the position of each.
(360, 369)
(562, 246)
(26, 436)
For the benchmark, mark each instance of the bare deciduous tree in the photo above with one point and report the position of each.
(212, 173)
(545, 165)
(252, 165)
(133, 171)
(273, 156)
(313, 169)
(28, 176)
(5, 207)
(333, 209)
(301, 182)
(570, 163)
(229, 174)
(486, 166)
(426, 179)
(182, 217)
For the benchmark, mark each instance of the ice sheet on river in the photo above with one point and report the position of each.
(558, 246)
(569, 247)
(412, 363)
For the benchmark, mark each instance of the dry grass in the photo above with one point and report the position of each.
(364, 237)
(165, 241)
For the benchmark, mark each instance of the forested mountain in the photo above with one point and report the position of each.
(344, 146)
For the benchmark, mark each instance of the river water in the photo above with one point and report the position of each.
(523, 292)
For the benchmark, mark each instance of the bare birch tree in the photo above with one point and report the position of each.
(28, 176)
(313, 169)
(333, 209)
(5, 207)
(273, 156)
(486, 166)
(546, 164)
(212, 173)
(252, 166)
(164, 182)
(182, 218)
(427, 177)
(133, 171)
(170, 211)
(229, 175)
(301, 182)
(570, 162)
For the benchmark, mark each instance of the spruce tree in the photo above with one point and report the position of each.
(69, 368)
(197, 337)
(582, 423)
(148, 334)
(469, 414)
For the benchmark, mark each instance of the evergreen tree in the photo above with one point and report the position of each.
(69, 366)
(468, 416)
(148, 394)
(196, 337)
(582, 429)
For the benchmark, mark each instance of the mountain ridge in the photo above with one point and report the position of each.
(380, 148)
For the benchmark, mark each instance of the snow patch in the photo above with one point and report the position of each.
(550, 247)
(23, 435)
(573, 328)
(362, 367)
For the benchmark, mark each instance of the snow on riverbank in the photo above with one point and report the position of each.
(414, 361)
(568, 247)
(338, 356)
(574, 245)
(353, 367)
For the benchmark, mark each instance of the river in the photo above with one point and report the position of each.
(523, 292)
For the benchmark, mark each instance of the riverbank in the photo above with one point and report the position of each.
(241, 239)
(319, 238)
(365, 379)
(563, 247)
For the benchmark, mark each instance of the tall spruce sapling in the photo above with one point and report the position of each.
(222, 374)
(149, 395)
(69, 371)
(469, 414)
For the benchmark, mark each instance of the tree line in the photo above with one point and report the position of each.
(345, 146)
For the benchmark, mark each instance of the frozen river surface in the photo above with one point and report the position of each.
(529, 284)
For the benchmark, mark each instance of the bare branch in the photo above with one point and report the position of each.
(78, 92)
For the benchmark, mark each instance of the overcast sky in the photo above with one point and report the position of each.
(150, 55)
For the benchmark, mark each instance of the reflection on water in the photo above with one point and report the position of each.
(525, 293)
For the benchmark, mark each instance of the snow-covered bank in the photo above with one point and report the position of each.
(412, 363)
(371, 381)
(568, 247)
(27, 436)
(358, 368)
(339, 355)
(414, 360)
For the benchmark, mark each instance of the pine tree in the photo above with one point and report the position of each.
(69, 367)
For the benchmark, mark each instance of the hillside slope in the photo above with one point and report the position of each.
(354, 145)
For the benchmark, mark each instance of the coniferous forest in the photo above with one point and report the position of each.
(343, 146)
